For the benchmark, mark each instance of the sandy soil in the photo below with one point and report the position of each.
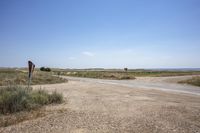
(111, 108)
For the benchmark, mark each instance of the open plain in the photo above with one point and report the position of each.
(141, 105)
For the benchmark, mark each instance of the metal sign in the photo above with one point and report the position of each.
(31, 68)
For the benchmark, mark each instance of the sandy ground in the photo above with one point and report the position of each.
(113, 108)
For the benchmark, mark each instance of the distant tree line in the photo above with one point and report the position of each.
(46, 69)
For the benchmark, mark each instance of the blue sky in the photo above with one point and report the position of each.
(100, 33)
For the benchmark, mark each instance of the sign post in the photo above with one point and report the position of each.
(31, 68)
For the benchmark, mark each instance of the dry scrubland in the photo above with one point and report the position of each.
(20, 77)
(131, 75)
(95, 107)
(121, 75)
(16, 100)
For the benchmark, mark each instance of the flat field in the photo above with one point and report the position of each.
(122, 75)
(20, 77)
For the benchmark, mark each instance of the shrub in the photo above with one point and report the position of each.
(56, 98)
(45, 69)
(125, 69)
(42, 69)
(125, 77)
(48, 69)
(17, 98)
(40, 97)
(14, 99)
(193, 81)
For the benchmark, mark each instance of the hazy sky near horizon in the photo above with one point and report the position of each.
(100, 33)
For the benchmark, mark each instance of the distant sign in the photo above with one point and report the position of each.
(31, 68)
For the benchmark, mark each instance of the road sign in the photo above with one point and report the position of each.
(31, 68)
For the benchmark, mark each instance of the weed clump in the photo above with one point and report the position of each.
(56, 97)
(17, 98)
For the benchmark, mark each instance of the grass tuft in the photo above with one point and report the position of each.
(56, 97)
(40, 97)
(17, 98)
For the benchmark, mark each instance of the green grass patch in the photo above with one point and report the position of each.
(17, 98)
(193, 81)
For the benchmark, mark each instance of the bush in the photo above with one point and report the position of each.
(45, 69)
(125, 77)
(42, 69)
(55, 98)
(48, 69)
(17, 98)
(40, 97)
(125, 69)
(193, 81)
(14, 99)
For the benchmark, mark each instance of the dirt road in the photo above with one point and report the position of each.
(159, 83)
(139, 106)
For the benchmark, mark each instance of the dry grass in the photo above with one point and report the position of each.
(18, 103)
(102, 75)
(11, 76)
(11, 119)
(16, 98)
(193, 81)
(120, 75)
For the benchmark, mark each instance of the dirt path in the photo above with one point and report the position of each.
(113, 108)
(159, 83)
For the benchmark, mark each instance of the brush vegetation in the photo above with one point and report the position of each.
(193, 81)
(17, 98)
(12, 76)
(120, 75)
(102, 75)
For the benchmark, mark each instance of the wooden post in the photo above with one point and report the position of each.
(31, 68)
